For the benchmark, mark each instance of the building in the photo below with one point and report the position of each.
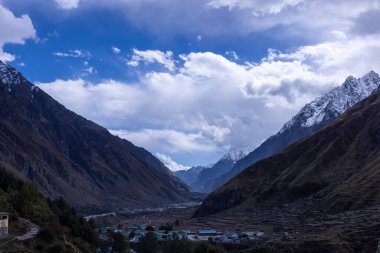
(207, 232)
(136, 228)
(4, 224)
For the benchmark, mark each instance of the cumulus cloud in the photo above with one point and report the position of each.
(172, 165)
(210, 103)
(67, 4)
(152, 56)
(15, 30)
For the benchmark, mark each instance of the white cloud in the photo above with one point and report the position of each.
(209, 103)
(67, 4)
(169, 140)
(259, 7)
(116, 50)
(236, 18)
(233, 55)
(6, 57)
(152, 56)
(15, 30)
(76, 53)
(172, 165)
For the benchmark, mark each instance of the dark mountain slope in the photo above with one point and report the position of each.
(337, 167)
(67, 155)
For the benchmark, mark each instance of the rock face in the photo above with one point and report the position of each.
(311, 118)
(337, 168)
(67, 155)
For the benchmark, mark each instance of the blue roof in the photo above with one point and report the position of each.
(207, 231)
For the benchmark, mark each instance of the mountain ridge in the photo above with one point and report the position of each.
(68, 155)
(336, 167)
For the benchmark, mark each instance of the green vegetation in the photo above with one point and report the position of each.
(117, 243)
(68, 217)
(207, 248)
(22, 199)
(62, 229)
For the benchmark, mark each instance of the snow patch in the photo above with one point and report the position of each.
(10, 76)
(236, 154)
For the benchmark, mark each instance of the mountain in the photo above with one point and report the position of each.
(67, 155)
(308, 120)
(337, 169)
(199, 178)
(189, 176)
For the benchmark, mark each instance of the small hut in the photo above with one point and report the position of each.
(4, 217)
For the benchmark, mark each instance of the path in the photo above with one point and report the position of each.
(30, 234)
(33, 231)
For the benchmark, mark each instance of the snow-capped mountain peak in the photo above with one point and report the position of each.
(335, 102)
(10, 76)
(236, 154)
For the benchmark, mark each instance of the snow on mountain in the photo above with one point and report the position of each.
(311, 118)
(335, 102)
(10, 76)
(235, 154)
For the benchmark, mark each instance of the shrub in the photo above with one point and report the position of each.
(46, 235)
(58, 248)
(149, 244)
(177, 246)
(205, 247)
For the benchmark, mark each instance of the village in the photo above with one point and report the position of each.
(136, 233)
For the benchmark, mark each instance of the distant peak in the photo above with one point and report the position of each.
(370, 75)
(350, 79)
(236, 154)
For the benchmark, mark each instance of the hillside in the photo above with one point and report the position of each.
(67, 155)
(58, 227)
(337, 168)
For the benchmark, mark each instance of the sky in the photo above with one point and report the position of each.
(189, 80)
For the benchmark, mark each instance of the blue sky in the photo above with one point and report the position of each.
(189, 80)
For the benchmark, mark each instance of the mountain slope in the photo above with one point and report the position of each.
(189, 176)
(338, 168)
(67, 155)
(311, 118)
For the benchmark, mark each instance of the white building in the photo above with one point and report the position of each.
(3, 224)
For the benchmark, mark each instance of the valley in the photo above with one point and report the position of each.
(284, 227)
(117, 136)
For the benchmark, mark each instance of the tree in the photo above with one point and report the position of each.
(149, 244)
(119, 244)
(205, 247)
(149, 228)
(132, 234)
(177, 246)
